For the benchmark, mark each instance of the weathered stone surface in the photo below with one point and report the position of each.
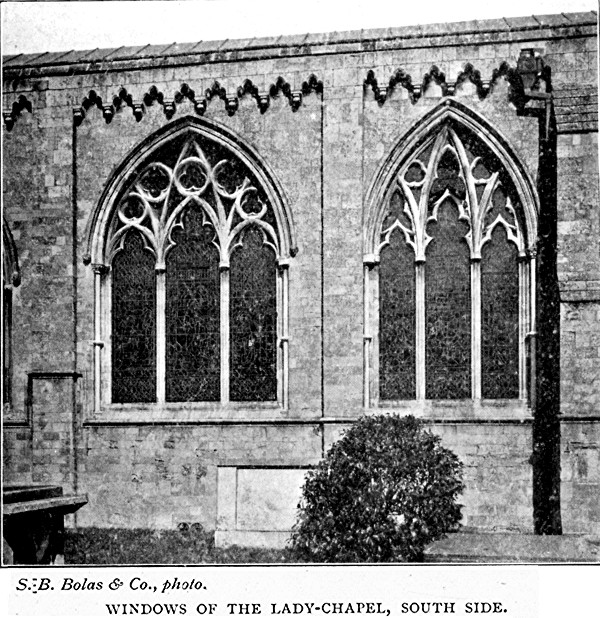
(325, 150)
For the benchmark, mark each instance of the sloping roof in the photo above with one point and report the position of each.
(303, 44)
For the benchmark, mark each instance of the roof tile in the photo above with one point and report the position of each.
(25, 59)
(517, 23)
(127, 52)
(266, 41)
(179, 49)
(151, 51)
(552, 20)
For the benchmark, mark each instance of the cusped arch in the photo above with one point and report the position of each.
(100, 226)
(400, 157)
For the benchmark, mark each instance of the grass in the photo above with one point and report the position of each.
(142, 546)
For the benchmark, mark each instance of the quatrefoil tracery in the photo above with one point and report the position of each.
(156, 203)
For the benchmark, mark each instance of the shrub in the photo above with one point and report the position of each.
(384, 491)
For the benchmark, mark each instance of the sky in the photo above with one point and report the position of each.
(29, 27)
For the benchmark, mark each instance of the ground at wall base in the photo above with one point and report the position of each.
(143, 546)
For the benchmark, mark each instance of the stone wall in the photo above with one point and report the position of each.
(324, 137)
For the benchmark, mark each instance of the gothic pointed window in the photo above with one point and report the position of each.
(452, 275)
(197, 269)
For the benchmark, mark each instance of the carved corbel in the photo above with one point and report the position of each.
(263, 102)
(381, 95)
(78, 115)
(231, 104)
(200, 107)
(169, 109)
(296, 100)
(138, 111)
(108, 112)
(9, 121)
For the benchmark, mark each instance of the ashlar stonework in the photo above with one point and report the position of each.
(327, 139)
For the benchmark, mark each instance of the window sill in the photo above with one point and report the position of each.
(185, 413)
(459, 410)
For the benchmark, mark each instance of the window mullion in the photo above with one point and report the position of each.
(98, 344)
(476, 328)
(284, 285)
(224, 335)
(420, 329)
(161, 335)
(523, 326)
(532, 334)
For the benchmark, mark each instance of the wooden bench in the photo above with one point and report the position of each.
(33, 517)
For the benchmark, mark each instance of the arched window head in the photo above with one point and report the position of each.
(453, 169)
(191, 173)
(194, 241)
(448, 250)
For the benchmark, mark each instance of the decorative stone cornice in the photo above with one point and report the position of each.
(312, 84)
(248, 88)
(92, 99)
(519, 94)
(438, 78)
(125, 98)
(282, 87)
(216, 91)
(470, 74)
(10, 116)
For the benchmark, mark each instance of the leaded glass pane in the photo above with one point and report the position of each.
(133, 323)
(499, 318)
(397, 320)
(447, 308)
(447, 179)
(192, 314)
(253, 320)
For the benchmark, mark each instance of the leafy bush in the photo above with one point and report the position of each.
(383, 492)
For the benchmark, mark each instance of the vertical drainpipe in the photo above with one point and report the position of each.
(322, 275)
(74, 445)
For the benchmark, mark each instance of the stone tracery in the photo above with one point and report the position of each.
(452, 188)
(155, 203)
